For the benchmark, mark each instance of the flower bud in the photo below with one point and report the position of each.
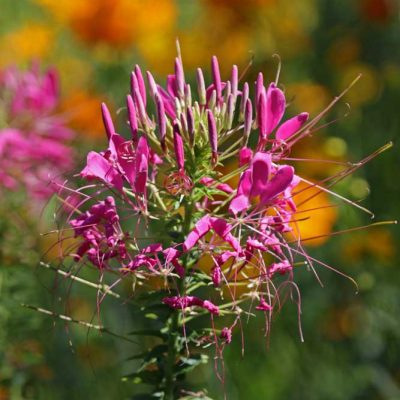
(201, 87)
(107, 120)
(152, 84)
(133, 123)
(216, 77)
(140, 107)
(230, 112)
(190, 125)
(178, 147)
(162, 121)
(245, 96)
(212, 135)
(180, 77)
(234, 80)
(248, 120)
(141, 84)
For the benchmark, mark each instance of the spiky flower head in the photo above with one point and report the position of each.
(160, 205)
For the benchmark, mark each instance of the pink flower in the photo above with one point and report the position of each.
(256, 181)
(34, 150)
(183, 302)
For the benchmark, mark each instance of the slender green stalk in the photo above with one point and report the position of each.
(174, 323)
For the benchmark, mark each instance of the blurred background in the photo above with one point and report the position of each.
(352, 340)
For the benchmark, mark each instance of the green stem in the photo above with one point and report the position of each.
(174, 323)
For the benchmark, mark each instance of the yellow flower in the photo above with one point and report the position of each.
(308, 96)
(315, 215)
(367, 88)
(31, 41)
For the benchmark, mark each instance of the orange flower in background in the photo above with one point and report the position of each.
(96, 21)
(83, 111)
(308, 96)
(115, 22)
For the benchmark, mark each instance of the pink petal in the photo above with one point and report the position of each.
(262, 115)
(261, 166)
(277, 184)
(238, 204)
(223, 229)
(142, 156)
(245, 155)
(171, 86)
(202, 226)
(275, 108)
(245, 183)
(291, 126)
(98, 167)
(224, 187)
(141, 84)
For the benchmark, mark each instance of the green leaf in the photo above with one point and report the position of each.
(189, 363)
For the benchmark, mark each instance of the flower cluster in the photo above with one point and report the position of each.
(200, 206)
(172, 211)
(34, 140)
(173, 160)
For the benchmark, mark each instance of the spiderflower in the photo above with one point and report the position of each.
(34, 148)
(155, 204)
